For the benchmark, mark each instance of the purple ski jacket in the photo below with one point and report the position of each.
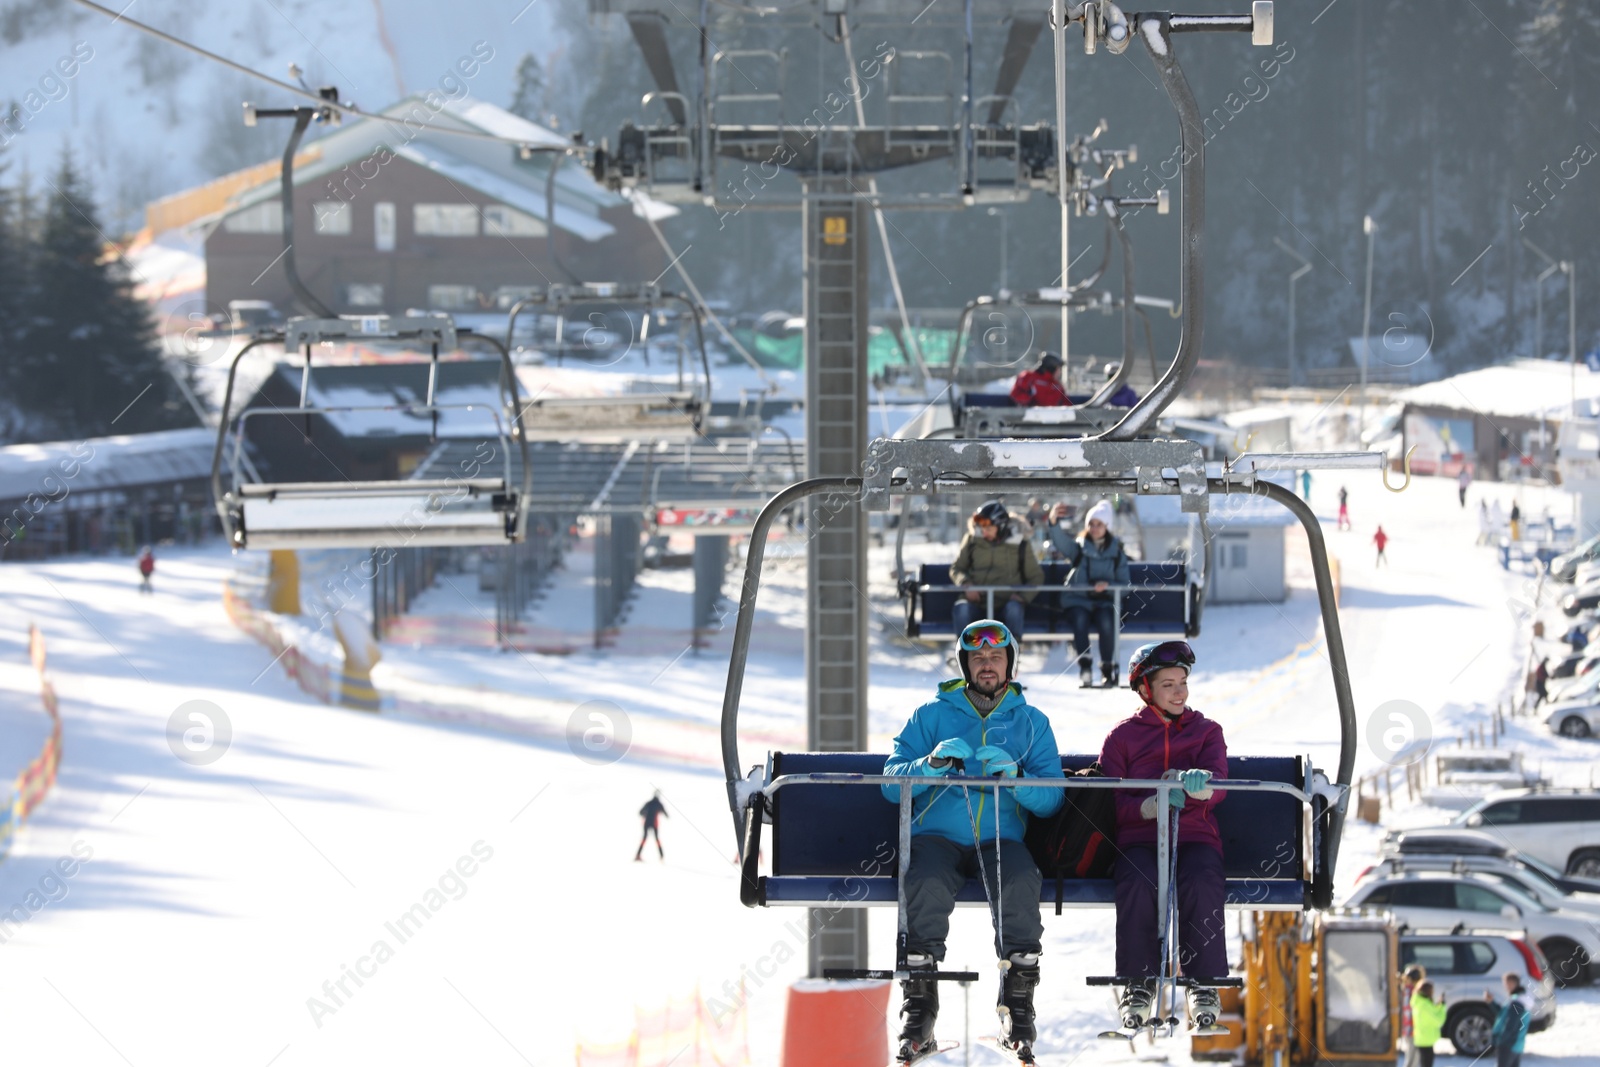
(1146, 745)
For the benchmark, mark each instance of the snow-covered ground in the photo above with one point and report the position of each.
(210, 903)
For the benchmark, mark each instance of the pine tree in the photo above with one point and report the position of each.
(531, 98)
(90, 362)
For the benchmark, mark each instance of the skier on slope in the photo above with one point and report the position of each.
(652, 812)
(147, 567)
(1168, 735)
(982, 720)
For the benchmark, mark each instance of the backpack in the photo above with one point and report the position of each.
(1076, 842)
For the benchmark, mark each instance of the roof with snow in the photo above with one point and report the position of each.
(1527, 388)
(105, 463)
(414, 132)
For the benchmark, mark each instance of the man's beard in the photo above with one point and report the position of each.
(999, 685)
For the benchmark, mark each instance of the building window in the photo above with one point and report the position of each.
(450, 297)
(332, 217)
(383, 226)
(445, 220)
(1241, 556)
(265, 217)
(500, 220)
(364, 295)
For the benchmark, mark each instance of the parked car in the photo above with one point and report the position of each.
(1453, 842)
(1574, 718)
(1582, 598)
(1559, 826)
(1565, 566)
(1464, 775)
(1445, 898)
(1462, 963)
(1585, 685)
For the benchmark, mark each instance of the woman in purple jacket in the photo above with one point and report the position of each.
(1168, 738)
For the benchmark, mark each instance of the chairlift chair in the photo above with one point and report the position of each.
(479, 509)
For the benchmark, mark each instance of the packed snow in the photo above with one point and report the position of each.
(261, 908)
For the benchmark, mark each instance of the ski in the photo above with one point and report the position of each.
(906, 1057)
(1214, 1028)
(1022, 1053)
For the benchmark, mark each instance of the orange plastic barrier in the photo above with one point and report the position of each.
(311, 676)
(40, 774)
(836, 1024)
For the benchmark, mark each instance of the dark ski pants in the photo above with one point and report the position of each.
(650, 828)
(1105, 625)
(940, 867)
(1202, 935)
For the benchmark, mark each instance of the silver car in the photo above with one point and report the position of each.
(1575, 718)
(1559, 826)
(1464, 964)
(1448, 898)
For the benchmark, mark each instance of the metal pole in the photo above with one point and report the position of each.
(1571, 268)
(1551, 267)
(1058, 12)
(1371, 229)
(1294, 278)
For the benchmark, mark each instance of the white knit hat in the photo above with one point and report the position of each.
(1102, 511)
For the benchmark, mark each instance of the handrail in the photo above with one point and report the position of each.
(1240, 785)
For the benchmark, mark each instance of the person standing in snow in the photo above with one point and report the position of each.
(1516, 521)
(994, 553)
(1511, 1024)
(978, 724)
(1380, 539)
(1410, 978)
(1463, 480)
(1541, 682)
(1427, 1021)
(147, 567)
(1485, 531)
(1041, 387)
(1165, 739)
(1101, 563)
(1344, 509)
(652, 811)
(1305, 486)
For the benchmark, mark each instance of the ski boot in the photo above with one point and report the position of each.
(919, 1007)
(1108, 674)
(1018, 977)
(1085, 672)
(1204, 1007)
(1136, 1004)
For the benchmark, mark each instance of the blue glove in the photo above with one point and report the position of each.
(951, 748)
(1175, 798)
(1194, 780)
(996, 761)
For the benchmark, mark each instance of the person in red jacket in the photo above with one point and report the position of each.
(1041, 387)
(1380, 539)
(147, 567)
(1167, 738)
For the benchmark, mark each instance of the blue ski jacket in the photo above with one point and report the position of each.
(1014, 725)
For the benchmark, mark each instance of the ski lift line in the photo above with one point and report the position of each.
(700, 300)
(322, 103)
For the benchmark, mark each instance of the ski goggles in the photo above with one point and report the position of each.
(1170, 654)
(986, 635)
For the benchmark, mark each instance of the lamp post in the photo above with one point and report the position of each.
(1003, 242)
(1299, 272)
(1538, 297)
(1571, 268)
(1370, 228)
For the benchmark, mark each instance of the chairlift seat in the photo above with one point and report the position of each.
(837, 844)
(468, 511)
(1152, 611)
(603, 419)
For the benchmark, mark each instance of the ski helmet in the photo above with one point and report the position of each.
(986, 633)
(1147, 659)
(1049, 362)
(1111, 370)
(994, 512)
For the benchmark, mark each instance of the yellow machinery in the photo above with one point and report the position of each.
(1320, 990)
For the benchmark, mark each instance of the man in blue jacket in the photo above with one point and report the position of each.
(979, 724)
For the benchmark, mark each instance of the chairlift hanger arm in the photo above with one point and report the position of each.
(222, 426)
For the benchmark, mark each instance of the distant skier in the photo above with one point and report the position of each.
(1305, 486)
(1380, 539)
(1540, 684)
(1344, 509)
(652, 811)
(1168, 738)
(1463, 480)
(1516, 521)
(954, 832)
(147, 567)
